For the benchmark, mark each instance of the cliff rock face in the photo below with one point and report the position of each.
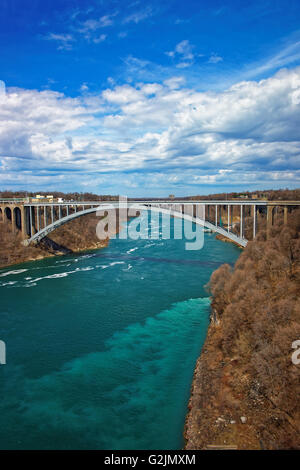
(245, 390)
(77, 235)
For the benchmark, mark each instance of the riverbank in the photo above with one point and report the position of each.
(227, 240)
(76, 236)
(245, 387)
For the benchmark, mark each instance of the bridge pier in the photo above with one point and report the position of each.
(14, 216)
(23, 222)
(13, 220)
(241, 222)
(228, 218)
(285, 215)
(45, 216)
(269, 219)
(254, 221)
(38, 218)
(31, 220)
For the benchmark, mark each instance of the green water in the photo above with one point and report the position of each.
(101, 346)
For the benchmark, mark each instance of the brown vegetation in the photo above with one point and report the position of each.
(245, 369)
(77, 235)
(270, 195)
(75, 196)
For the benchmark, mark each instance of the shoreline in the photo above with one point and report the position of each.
(190, 428)
(77, 236)
(40, 257)
(244, 389)
(221, 238)
(94, 246)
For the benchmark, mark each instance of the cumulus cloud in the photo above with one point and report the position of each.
(84, 87)
(92, 24)
(64, 41)
(184, 51)
(215, 58)
(174, 82)
(100, 38)
(138, 16)
(159, 134)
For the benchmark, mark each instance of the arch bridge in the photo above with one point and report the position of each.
(37, 220)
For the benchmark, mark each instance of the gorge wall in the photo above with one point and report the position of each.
(245, 391)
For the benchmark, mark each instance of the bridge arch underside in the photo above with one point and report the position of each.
(103, 210)
(18, 218)
(8, 213)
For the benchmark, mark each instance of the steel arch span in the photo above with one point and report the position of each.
(37, 237)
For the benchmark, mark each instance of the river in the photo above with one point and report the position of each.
(101, 346)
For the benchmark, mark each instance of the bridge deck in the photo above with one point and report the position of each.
(29, 213)
(164, 202)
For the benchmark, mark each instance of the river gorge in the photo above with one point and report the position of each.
(102, 345)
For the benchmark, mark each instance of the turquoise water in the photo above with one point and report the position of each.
(101, 346)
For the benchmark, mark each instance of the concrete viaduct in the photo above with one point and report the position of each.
(35, 220)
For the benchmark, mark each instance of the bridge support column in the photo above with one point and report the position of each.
(269, 219)
(38, 218)
(285, 215)
(52, 214)
(23, 222)
(45, 216)
(241, 222)
(30, 221)
(228, 218)
(13, 220)
(59, 212)
(216, 216)
(254, 221)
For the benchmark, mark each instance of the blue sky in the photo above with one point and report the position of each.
(148, 97)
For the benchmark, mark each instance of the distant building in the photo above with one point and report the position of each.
(171, 196)
(41, 198)
(37, 198)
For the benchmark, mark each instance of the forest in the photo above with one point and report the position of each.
(246, 369)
